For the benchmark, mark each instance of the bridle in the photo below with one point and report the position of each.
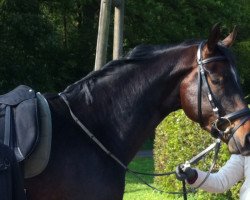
(221, 121)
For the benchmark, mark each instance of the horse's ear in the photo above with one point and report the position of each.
(213, 38)
(229, 40)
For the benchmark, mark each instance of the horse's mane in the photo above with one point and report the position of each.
(148, 51)
(144, 51)
(141, 53)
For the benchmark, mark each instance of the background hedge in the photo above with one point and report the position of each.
(242, 52)
(179, 139)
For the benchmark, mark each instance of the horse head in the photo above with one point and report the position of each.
(211, 94)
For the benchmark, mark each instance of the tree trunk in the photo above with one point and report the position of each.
(118, 29)
(103, 33)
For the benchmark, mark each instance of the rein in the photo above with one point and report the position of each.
(92, 137)
(136, 174)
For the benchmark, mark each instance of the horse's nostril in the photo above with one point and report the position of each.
(247, 139)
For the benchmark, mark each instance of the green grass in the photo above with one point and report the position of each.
(135, 190)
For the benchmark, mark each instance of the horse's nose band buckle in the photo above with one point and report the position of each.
(222, 122)
(223, 126)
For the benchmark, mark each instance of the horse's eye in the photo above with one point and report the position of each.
(216, 81)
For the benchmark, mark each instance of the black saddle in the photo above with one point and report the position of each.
(19, 121)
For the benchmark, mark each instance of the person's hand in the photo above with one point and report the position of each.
(184, 172)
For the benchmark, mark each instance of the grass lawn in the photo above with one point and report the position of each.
(135, 190)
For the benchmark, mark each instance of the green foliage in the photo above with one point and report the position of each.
(179, 139)
(168, 22)
(50, 44)
(25, 38)
(172, 21)
(46, 45)
(242, 52)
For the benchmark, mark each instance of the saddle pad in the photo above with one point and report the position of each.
(38, 160)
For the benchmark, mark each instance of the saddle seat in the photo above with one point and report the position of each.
(25, 127)
(17, 95)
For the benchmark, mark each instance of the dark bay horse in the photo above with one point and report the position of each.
(123, 103)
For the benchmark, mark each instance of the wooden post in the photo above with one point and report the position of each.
(118, 29)
(103, 33)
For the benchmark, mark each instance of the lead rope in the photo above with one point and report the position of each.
(184, 189)
(217, 149)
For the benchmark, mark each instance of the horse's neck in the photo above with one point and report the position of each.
(155, 102)
(123, 115)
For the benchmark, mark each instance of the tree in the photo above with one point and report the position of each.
(25, 46)
(50, 44)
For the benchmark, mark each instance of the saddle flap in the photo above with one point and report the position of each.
(19, 94)
(18, 121)
(26, 128)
